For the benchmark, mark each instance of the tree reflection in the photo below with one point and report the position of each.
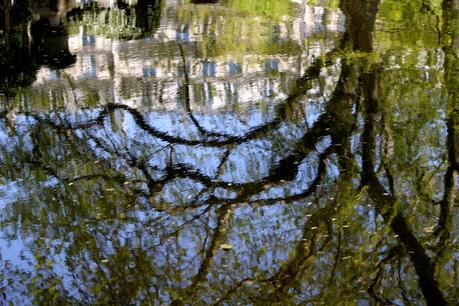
(119, 205)
(29, 43)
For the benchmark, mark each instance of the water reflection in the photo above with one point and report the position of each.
(223, 152)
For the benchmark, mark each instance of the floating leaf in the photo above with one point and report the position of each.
(226, 247)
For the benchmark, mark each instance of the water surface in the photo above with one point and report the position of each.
(233, 152)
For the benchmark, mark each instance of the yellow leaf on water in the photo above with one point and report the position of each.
(226, 247)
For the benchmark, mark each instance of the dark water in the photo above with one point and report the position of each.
(233, 152)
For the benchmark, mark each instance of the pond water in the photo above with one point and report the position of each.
(233, 152)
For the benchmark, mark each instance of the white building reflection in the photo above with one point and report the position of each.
(150, 71)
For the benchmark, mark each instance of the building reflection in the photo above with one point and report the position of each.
(222, 79)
